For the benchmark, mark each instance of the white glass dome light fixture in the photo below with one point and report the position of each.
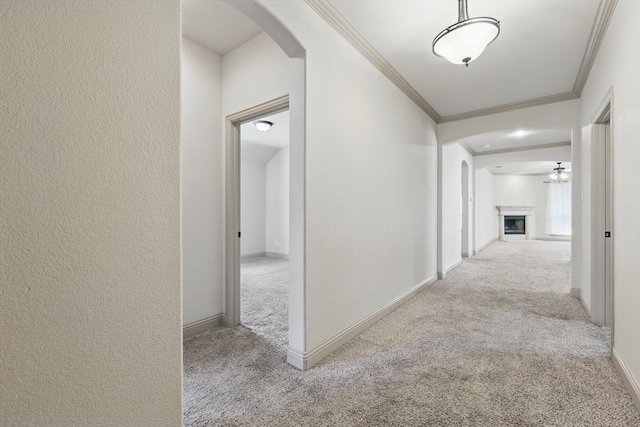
(262, 125)
(465, 40)
(558, 172)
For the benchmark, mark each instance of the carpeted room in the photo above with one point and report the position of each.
(490, 345)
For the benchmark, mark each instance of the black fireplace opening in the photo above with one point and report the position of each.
(514, 224)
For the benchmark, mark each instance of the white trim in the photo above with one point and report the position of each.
(204, 325)
(484, 246)
(447, 270)
(603, 17)
(567, 96)
(254, 255)
(232, 201)
(575, 293)
(346, 30)
(584, 305)
(276, 255)
(630, 382)
(306, 360)
(525, 148)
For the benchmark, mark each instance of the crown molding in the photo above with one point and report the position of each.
(527, 148)
(342, 26)
(567, 96)
(603, 17)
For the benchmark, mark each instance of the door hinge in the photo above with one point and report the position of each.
(238, 234)
(607, 234)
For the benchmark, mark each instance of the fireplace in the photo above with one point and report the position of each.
(514, 224)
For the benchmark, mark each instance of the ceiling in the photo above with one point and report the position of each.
(216, 25)
(515, 139)
(537, 54)
(259, 146)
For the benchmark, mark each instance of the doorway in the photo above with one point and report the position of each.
(602, 275)
(464, 211)
(264, 220)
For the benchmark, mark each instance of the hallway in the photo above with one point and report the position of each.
(499, 342)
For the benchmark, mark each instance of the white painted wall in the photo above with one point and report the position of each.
(371, 190)
(486, 213)
(277, 204)
(614, 66)
(90, 214)
(559, 115)
(452, 157)
(525, 190)
(253, 207)
(201, 152)
(254, 73)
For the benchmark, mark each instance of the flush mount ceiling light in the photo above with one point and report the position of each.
(464, 41)
(263, 125)
(520, 133)
(558, 172)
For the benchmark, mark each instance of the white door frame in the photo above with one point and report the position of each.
(602, 271)
(232, 200)
(464, 196)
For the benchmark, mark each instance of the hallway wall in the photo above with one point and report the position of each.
(616, 67)
(486, 212)
(370, 190)
(452, 157)
(90, 214)
(202, 182)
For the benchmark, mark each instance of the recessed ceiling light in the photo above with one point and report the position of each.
(520, 133)
(486, 146)
(263, 125)
(498, 167)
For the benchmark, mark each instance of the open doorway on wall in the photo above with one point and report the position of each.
(264, 224)
(464, 202)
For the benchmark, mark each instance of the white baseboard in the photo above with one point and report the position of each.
(574, 292)
(630, 382)
(306, 360)
(477, 251)
(203, 325)
(587, 309)
(447, 270)
(254, 255)
(276, 255)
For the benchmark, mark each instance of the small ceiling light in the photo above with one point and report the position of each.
(520, 133)
(558, 172)
(465, 40)
(486, 146)
(263, 125)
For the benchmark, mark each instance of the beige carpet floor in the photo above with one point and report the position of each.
(499, 342)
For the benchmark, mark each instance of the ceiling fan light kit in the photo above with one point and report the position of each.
(558, 172)
(465, 40)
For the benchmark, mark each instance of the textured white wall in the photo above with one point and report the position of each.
(90, 214)
(616, 67)
(202, 181)
(277, 203)
(452, 157)
(253, 207)
(486, 212)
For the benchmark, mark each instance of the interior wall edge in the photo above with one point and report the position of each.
(203, 325)
(306, 360)
(631, 383)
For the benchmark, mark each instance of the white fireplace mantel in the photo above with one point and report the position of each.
(529, 219)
